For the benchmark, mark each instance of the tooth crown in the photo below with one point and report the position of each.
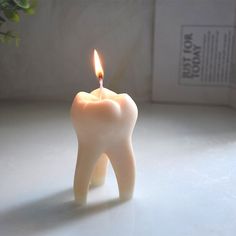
(104, 128)
(114, 114)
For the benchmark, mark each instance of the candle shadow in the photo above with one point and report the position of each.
(48, 213)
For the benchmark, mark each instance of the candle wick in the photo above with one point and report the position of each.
(101, 87)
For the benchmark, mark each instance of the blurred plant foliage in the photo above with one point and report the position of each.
(10, 11)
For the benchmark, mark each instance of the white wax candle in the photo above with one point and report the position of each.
(104, 122)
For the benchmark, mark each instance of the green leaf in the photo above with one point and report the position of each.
(8, 37)
(10, 9)
(3, 4)
(7, 4)
(22, 3)
(30, 11)
(11, 15)
(32, 8)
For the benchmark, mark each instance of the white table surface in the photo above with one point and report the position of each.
(185, 185)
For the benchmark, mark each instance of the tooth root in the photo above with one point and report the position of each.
(122, 160)
(99, 173)
(91, 169)
(87, 157)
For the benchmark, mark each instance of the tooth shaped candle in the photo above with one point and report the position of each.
(104, 122)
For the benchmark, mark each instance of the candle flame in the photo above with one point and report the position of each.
(98, 67)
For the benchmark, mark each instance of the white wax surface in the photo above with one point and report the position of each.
(104, 123)
(185, 185)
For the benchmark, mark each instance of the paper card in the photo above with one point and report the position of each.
(193, 51)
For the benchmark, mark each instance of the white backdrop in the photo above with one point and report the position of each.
(54, 57)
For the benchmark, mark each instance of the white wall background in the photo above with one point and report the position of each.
(54, 60)
(233, 87)
(55, 53)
